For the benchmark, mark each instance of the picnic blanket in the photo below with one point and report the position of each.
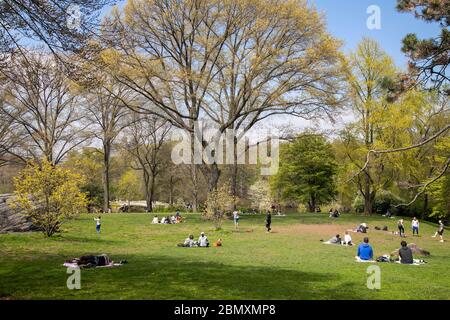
(92, 261)
(76, 266)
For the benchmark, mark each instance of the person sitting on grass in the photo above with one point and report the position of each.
(365, 251)
(405, 254)
(388, 213)
(330, 213)
(173, 220)
(155, 220)
(203, 240)
(347, 239)
(336, 213)
(362, 228)
(335, 240)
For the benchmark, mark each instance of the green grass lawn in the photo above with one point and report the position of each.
(289, 263)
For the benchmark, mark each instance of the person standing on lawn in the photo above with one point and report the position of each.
(440, 231)
(268, 220)
(415, 226)
(98, 224)
(401, 228)
(236, 219)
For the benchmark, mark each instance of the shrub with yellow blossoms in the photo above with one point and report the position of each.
(49, 195)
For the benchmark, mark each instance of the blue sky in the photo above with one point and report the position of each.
(346, 20)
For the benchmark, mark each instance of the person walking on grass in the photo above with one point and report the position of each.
(268, 220)
(440, 231)
(415, 226)
(236, 219)
(98, 224)
(401, 228)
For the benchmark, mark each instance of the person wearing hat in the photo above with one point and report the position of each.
(203, 240)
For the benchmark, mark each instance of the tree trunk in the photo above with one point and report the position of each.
(425, 207)
(194, 177)
(214, 174)
(106, 179)
(312, 204)
(368, 196)
(234, 174)
(148, 201)
(171, 185)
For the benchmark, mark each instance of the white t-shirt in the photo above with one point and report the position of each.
(235, 215)
(155, 220)
(98, 221)
(415, 223)
(203, 241)
(347, 238)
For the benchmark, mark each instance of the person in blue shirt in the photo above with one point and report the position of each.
(365, 251)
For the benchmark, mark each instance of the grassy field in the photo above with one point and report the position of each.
(289, 263)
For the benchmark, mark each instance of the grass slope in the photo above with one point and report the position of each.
(289, 263)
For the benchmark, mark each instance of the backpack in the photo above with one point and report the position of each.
(383, 259)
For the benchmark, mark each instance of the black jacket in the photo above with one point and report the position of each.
(406, 254)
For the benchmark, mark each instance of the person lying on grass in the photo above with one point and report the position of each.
(91, 261)
(365, 251)
(335, 240)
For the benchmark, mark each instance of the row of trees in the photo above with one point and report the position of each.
(121, 86)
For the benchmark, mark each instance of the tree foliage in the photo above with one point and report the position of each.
(429, 58)
(49, 195)
(307, 170)
(218, 203)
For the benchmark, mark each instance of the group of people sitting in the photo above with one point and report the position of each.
(362, 228)
(334, 213)
(202, 242)
(347, 241)
(177, 218)
(405, 255)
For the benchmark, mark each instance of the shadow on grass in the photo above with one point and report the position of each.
(161, 277)
(81, 239)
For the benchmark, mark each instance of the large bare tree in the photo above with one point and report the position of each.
(146, 136)
(40, 103)
(108, 117)
(48, 22)
(232, 62)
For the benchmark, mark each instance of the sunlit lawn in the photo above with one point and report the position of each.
(290, 263)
